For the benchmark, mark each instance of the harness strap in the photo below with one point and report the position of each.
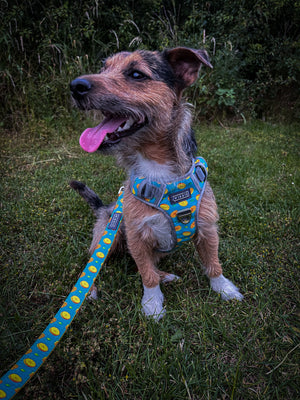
(12, 382)
(179, 200)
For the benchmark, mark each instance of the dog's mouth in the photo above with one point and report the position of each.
(110, 132)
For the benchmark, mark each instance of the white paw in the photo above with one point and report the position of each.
(170, 278)
(152, 303)
(93, 294)
(226, 288)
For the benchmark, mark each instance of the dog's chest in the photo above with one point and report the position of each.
(153, 170)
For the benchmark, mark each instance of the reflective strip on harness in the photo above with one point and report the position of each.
(178, 200)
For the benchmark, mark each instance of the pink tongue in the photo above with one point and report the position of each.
(91, 138)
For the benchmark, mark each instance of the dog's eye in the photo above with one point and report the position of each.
(137, 75)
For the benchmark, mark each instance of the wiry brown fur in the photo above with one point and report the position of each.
(162, 148)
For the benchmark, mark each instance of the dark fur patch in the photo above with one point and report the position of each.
(87, 194)
(190, 144)
(160, 67)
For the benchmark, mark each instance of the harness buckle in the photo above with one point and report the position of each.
(184, 216)
(150, 191)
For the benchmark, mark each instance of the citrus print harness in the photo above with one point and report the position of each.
(178, 200)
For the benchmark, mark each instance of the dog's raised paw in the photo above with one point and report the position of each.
(226, 288)
(170, 278)
(152, 303)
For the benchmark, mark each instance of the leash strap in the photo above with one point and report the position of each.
(12, 382)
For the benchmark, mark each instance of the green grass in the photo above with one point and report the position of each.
(204, 348)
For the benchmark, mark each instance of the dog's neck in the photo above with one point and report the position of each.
(166, 157)
(154, 170)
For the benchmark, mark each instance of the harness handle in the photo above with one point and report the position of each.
(200, 172)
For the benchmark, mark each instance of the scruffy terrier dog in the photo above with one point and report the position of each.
(147, 126)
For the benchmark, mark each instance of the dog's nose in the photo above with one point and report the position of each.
(80, 87)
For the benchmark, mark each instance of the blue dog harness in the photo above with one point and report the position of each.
(178, 200)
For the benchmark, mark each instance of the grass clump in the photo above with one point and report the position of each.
(204, 348)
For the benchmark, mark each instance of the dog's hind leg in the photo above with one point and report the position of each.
(207, 244)
(102, 214)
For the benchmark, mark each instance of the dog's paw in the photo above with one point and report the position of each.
(170, 278)
(152, 303)
(93, 294)
(226, 288)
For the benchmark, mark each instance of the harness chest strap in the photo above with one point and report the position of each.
(179, 200)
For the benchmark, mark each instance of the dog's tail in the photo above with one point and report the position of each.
(87, 194)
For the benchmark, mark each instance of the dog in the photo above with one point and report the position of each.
(147, 127)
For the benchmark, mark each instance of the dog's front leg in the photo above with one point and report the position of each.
(153, 298)
(141, 243)
(141, 249)
(207, 248)
(207, 245)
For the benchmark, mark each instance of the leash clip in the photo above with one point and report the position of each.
(184, 216)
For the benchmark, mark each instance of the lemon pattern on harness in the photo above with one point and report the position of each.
(178, 200)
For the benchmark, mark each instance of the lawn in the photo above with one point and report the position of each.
(204, 348)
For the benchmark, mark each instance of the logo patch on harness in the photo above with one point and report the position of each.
(180, 196)
(114, 223)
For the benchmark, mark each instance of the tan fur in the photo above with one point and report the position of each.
(160, 142)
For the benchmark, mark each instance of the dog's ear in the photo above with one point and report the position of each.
(186, 64)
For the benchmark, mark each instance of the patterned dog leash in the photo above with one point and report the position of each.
(12, 382)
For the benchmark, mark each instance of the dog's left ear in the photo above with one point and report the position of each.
(186, 64)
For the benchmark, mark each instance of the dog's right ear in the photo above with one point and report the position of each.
(186, 64)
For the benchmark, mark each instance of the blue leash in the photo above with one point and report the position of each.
(12, 382)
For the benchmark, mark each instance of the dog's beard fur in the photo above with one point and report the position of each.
(181, 146)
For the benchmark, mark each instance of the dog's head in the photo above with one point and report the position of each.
(138, 93)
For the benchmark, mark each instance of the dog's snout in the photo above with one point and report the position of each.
(80, 87)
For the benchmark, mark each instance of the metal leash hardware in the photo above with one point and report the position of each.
(12, 382)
